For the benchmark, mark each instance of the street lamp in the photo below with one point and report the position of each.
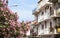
(13, 6)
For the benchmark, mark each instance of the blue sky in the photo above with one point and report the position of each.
(24, 8)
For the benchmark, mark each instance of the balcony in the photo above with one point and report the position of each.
(35, 12)
(44, 17)
(42, 5)
(46, 31)
(56, 13)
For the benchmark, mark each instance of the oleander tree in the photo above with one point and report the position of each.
(24, 28)
(9, 27)
(8, 24)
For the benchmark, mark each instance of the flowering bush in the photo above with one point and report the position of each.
(23, 28)
(9, 27)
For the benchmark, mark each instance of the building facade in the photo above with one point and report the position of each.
(34, 28)
(48, 16)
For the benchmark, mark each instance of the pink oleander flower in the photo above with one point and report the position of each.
(1, 9)
(6, 18)
(8, 29)
(12, 23)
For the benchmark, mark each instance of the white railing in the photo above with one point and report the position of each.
(46, 31)
(40, 32)
(44, 17)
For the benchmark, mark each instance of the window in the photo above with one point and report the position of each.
(42, 13)
(59, 20)
(50, 24)
(42, 26)
(51, 28)
(51, 11)
(47, 7)
(45, 24)
(58, 5)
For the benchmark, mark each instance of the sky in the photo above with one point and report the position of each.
(24, 8)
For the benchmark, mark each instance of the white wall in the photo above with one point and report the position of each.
(44, 17)
(47, 30)
(40, 31)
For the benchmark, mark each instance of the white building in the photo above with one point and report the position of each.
(48, 15)
(34, 27)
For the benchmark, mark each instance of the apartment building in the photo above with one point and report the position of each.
(48, 15)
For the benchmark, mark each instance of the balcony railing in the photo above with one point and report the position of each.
(57, 13)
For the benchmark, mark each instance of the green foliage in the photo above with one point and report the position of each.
(1, 12)
(1, 4)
